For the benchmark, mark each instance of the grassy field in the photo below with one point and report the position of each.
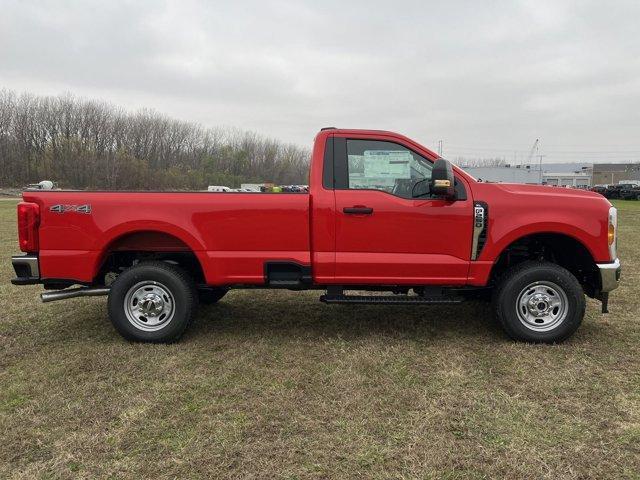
(275, 384)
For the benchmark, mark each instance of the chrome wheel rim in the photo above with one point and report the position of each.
(149, 306)
(542, 306)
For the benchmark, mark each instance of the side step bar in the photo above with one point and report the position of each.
(72, 293)
(291, 284)
(390, 300)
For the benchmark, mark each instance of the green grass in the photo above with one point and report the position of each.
(626, 204)
(271, 384)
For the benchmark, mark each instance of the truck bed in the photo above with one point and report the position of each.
(232, 234)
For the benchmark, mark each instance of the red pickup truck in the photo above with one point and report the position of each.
(383, 215)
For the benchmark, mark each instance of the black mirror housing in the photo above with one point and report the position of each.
(421, 188)
(442, 179)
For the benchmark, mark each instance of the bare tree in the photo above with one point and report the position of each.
(84, 143)
(479, 162)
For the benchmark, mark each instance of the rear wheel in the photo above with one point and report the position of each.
(539, 302)
(152, 302)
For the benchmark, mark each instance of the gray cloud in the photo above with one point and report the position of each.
(486, 77)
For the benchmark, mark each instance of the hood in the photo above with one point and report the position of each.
(545, 190)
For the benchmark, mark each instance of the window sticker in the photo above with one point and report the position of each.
(386, 164)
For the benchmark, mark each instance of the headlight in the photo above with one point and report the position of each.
(612, 234)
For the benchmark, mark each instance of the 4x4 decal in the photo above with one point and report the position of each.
(71, 208)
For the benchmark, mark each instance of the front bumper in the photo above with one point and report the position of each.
(609, 275)
(27, 270)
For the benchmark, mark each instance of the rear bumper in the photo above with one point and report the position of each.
(27, 270)
(609, 275)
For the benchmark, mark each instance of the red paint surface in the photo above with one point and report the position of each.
(234, 234)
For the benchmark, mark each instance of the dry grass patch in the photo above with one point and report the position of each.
(275, 384)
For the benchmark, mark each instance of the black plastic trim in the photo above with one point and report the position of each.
(358, 210)
(461, 192)
(26, 281)
(283, 274)
(49, 283)
(390, 299)
(327, 167)
(340, 164)
(482, 238)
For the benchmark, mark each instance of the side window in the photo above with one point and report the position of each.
(385, 166)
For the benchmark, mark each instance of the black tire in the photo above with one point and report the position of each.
(209, 296)
(167, 281)
(549, 279)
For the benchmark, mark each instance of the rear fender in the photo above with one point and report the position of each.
(119, 232)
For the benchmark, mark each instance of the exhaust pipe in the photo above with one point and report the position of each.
(73, 293)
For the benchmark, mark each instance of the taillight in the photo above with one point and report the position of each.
(612, 233)
(28, 221)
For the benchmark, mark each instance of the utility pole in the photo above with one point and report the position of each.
(440, 147)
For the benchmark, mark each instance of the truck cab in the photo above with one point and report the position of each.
(383, 216)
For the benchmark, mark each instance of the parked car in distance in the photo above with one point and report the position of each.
(622, 191)
(382, 215)
(629, 191)
(601, 189)
(613, 191)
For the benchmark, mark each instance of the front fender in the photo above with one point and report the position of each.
(500, 238)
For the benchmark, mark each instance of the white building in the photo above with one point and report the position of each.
(568, 179)
(506, 174)
(561, 174)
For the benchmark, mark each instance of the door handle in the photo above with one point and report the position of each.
(358, 210)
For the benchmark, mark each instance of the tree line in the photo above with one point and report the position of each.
(464, 162)
(88, 144)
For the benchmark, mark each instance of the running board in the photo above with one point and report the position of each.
(390, 300)
(295, 284)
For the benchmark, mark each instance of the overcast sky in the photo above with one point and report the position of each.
(487, 78)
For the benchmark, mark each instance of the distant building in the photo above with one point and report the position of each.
(613, 173)
(506, 174)
(566, 167)
(568, 179)
(561, 174)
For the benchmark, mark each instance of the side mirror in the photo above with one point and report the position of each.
(442, 180)
(421, 188)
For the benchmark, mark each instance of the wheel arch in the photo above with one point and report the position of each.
(123, 248)
(561, 248)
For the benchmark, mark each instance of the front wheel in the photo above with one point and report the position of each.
(152, 302)
(539, 302)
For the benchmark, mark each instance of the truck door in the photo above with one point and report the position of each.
(385, 235)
